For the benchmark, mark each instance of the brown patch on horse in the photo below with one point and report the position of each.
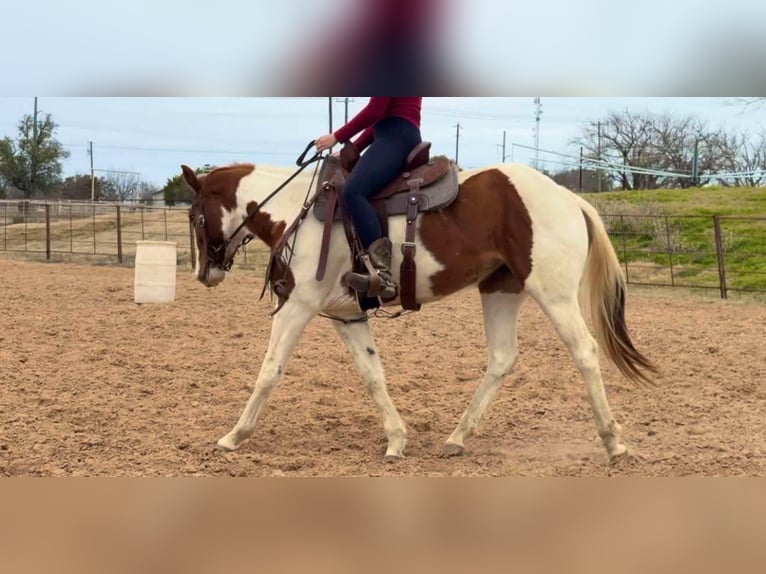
(262, 226)
(223, 182)
(485, 235)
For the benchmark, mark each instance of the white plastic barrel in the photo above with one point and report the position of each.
(155, 272)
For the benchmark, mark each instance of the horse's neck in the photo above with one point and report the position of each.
(286, 204)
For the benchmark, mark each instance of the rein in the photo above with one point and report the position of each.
(217, 254)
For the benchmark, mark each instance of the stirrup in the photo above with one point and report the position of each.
(371, 284)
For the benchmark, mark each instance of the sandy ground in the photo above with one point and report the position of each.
(93, 384)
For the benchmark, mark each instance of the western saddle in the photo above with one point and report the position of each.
(425, 184)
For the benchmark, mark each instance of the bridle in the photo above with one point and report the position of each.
(216, 254)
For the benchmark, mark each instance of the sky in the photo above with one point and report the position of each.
(154, 136)
(557, 47)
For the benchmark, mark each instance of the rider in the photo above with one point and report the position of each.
(391, 129)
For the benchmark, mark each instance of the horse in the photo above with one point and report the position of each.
(511, 232)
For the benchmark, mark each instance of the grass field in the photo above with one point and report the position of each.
(668, 236)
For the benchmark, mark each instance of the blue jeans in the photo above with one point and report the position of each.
(379, 165)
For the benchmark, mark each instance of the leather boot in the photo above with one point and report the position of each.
(379, 282)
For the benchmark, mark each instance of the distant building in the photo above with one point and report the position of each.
(157, 199)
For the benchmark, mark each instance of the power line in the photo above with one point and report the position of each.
(180, 150)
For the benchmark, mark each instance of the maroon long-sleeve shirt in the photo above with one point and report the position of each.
(376, 110)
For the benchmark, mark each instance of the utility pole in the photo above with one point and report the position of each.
(538, 114)
(457, 143)
(345, 102)
(92, 177)
(504, 155)
(329, 113)
(696, 164)
(503, 146)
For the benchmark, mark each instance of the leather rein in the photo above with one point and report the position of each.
(217, 253)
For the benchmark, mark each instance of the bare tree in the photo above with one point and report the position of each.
(676, 141)
(750, 102)
(744, 155)
(619, 138)
(146, 190)
(637, 144)
(120, 186)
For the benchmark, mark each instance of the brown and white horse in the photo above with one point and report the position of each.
(512, 233)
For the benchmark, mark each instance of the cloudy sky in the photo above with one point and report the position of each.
(154, 136)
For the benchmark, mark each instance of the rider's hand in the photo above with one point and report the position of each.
(325, 142)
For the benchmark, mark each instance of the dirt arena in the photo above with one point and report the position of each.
(93, 384)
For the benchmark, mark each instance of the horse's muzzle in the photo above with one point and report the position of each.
(211, 276)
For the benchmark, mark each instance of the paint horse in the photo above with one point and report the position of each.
(509, 231)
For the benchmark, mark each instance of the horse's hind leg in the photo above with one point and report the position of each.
(359, 341)
(501, 311)
(286, 330)
(564, 312)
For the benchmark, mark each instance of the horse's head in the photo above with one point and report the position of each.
(217, 218)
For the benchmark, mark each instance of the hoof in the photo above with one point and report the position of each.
(620, 457)
(393, 458)
(226, 445)
(451, 449)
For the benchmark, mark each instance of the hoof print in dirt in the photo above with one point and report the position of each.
(392, 458)
(451, 450)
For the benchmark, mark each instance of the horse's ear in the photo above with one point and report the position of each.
(191, 178)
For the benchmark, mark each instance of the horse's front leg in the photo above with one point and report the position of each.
(286, 329)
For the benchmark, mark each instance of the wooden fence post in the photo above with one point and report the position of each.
(119, 236)
(719, 255)
(48, 231)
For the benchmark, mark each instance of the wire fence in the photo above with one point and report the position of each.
(99, 232)
(722, 253)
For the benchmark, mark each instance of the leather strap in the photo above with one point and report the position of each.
(333, 190)
(282, 242)
(332, 200)
(408, 269)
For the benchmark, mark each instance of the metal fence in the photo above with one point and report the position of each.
(722, 253)
(99, 232)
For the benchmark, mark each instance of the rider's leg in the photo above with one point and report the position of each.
(383, 161)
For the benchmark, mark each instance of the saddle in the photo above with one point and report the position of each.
(436, 179)
(425, 184)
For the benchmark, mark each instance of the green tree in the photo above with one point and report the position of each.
(77, 187)
(33, 161)
(177, 191)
